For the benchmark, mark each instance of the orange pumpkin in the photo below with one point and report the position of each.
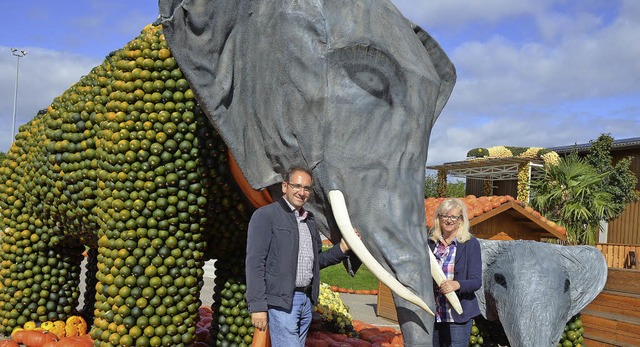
(9, 343)
(17, 335)
(75, 341)
(37, 338)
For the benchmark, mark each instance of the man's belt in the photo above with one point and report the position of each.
(305, 289)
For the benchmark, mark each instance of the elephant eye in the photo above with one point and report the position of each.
(373, 70)
(369, 78)
(567, 285)
(499, 278)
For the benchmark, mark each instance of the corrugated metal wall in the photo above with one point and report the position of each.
(626, 228)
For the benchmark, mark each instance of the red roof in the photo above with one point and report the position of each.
(482, 208)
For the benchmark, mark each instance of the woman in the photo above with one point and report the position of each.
(459, 255)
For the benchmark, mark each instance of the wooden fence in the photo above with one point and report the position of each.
(620, 256)
(612, 319)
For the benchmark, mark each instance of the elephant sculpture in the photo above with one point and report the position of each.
(134, 164)
(350, 89)
(535, 288)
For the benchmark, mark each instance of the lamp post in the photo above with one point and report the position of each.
(18, 54)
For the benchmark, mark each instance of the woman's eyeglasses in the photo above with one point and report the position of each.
(451, 218)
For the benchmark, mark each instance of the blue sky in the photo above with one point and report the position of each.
(530, 72)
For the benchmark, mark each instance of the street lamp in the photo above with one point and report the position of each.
(18, 54)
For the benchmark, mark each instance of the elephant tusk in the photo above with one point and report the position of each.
(438, 276)
(340, 213)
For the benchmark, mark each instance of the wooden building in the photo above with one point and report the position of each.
(500, 176)
(506, 221)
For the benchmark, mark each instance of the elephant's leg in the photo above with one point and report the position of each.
(37, 285)
(231, 318)
(149, 278)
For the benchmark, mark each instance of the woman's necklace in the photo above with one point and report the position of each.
(448, 240)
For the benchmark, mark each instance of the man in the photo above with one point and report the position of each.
(284, 258)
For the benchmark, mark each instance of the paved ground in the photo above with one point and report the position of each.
(363, 308)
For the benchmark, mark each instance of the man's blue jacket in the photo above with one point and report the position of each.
(272, 257)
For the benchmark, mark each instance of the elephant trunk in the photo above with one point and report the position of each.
(389, 217)
(531, 299)
(341, 215)
(533, 324)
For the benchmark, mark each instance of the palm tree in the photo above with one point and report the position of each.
(571, 194)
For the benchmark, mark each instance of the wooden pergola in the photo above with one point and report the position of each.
(522, 169)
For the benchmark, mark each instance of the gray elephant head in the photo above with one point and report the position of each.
(535, 288)
(348, 88)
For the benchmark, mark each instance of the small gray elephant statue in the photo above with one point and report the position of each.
(534, 288)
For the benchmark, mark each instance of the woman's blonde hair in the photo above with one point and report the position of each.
(445, 206)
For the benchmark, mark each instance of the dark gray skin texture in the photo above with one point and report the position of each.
(349, 88)
(535, 288)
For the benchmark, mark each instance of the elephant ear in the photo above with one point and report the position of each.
(491, 251)
(443, 66)
(587, 271)
(204, 36)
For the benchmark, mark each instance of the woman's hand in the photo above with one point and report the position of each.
(448, 286)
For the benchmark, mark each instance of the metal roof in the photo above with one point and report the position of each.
(632, 142)
(497, 169)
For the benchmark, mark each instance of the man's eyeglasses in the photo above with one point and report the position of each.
(451, 218)
(296, 187)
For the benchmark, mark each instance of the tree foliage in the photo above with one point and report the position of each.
(454, 189)
(621, 181)
(580, 192)
(571, 194)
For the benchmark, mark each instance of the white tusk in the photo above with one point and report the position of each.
(438, 276)
(340, 213)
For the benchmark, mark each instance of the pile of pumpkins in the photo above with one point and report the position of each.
(72, 332)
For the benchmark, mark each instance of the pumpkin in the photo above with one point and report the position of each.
(354, 342)
(9, 343)
(30, 325)
(75, 326)
(37, 338)
(57, 327)
(17, 335)
(75, 341)
(311, 342)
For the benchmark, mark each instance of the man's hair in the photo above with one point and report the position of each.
(289, 173)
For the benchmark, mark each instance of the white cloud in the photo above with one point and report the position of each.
(575, 75)
(43, 75)
(457, 13)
